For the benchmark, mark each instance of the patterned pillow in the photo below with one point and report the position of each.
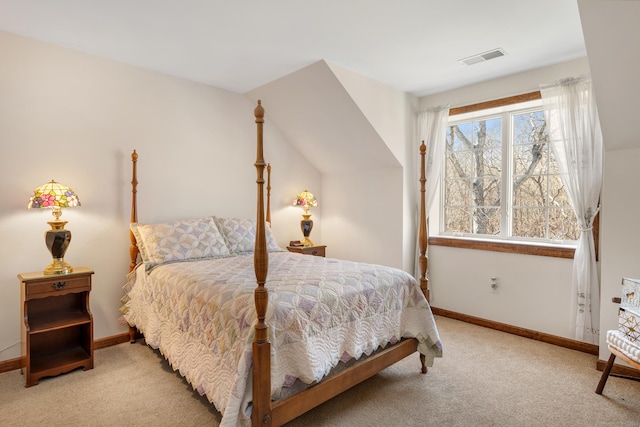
(182, 240)
(240, 235)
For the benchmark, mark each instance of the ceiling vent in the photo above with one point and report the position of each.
(481, 57)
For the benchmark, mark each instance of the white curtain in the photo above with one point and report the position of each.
(576, 140)
(432, 129)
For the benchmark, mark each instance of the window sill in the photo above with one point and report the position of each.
(510, 247)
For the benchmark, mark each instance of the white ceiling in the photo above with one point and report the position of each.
(411, 45)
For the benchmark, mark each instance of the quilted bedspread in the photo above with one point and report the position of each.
(321, 311)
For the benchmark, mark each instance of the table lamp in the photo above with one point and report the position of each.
(55, 196)
(306, 200)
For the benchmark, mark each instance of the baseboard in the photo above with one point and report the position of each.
(109, 341)
(11, 364)
(18, 362)
(515, 330)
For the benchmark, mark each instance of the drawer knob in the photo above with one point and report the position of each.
(59, 285)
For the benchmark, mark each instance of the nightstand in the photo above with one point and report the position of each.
(318, 250)
(57, 325)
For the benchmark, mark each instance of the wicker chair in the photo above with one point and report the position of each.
(624, 342)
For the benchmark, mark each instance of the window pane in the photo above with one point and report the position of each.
(493, 133)
(486, 221)
(558, 195)
(459, 164)
(457, 220)
(563, 224)
(460, 137)
(530, 191)
(486, 192)
(529, 223)
(530, 128)
(458, 192)
(490, 164)
(473, 176)
(530, 158)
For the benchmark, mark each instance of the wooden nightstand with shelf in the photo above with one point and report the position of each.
(57, 325)
(316, 250)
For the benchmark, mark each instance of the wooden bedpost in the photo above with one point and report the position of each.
(269, 193)
(133, 249)
(423, 230)
(261, 412)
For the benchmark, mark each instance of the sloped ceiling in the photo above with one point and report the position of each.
(317, 115)
(612, 37)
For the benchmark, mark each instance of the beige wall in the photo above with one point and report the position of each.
(379, 227)
(76, 118)
(357, 132)
(620, 233)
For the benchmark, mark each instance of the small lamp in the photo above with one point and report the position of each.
(55, 196)
(306, 200)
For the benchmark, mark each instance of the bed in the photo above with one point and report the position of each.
(264, 333)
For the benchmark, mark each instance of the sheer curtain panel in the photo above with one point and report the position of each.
(576, 141)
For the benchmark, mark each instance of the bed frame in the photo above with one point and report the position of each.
(270, 413)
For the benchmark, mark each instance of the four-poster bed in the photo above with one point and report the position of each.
(312, 328)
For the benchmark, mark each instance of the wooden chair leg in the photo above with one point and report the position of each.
(605, 374)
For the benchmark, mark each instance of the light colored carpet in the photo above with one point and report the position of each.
(486, 378)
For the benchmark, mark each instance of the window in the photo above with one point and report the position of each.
(501, 180)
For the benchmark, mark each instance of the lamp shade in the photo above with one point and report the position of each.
(55, 196)
(305, 199)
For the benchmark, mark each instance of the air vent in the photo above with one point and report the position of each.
(481, 57)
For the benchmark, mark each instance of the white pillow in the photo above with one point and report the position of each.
(181, 240)
(240, 235)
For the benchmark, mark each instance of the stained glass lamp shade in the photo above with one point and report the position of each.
(55, 196)
(306, 200)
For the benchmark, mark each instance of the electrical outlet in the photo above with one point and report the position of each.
(494, 285)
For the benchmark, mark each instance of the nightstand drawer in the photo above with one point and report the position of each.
(314, 250)
(61, 284)
(309, 250)
(37, 285)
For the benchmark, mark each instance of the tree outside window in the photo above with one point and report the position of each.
(501, 179)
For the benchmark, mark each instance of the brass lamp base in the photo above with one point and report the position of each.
(306, 225)
(57, 240)
(58, 266)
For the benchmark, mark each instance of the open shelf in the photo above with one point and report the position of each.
(62, 320)
(58, 363)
